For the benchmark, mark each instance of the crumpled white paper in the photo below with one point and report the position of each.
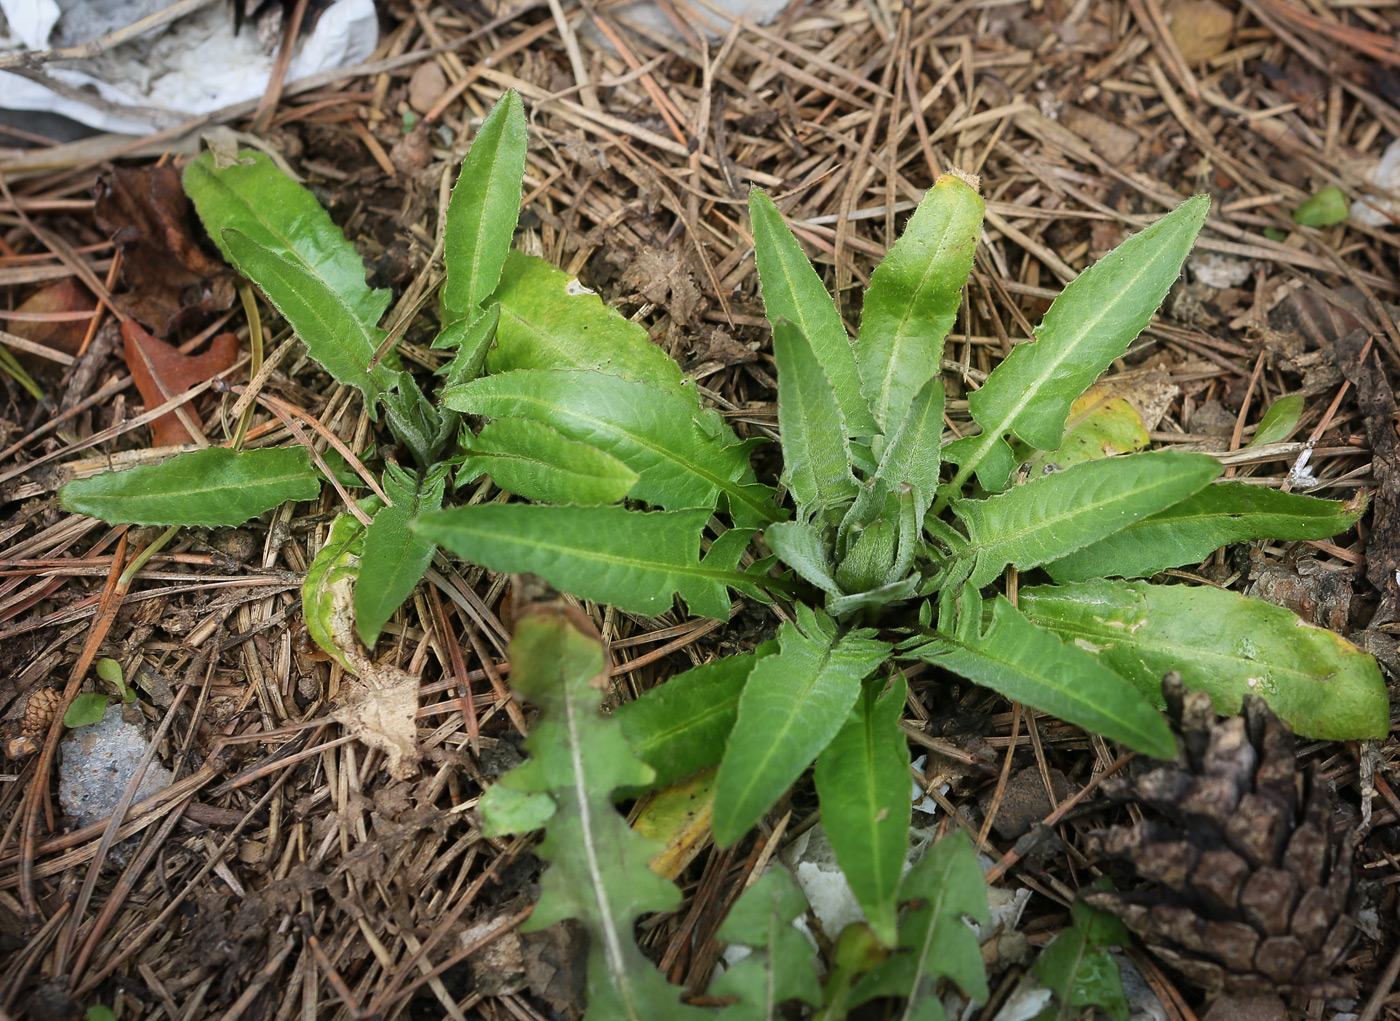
(195, 65)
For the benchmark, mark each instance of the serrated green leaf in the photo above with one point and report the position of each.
(505, 812)
(394, 558)
(791, 708)
(531, 459)
(88, 708)
(800, 546)
(870, 560)
(256, 199)
(325, 320)
(471, 343)
(1078, 968)
(913, 299)
(209, 487)
(1224, 643)
(793, 292)
(638, 561)
(910, 458)
(1279, 421)
(680, 727)
(551, 321)
(863, 782)
(1190, 531)
(1051, 515)
(1090, 324)
(598, 871)
(816, 453)
(781, 968)
(1326, 208)
(934, 943)
(483, 210)
(1028, 664)
(415, 422)
(655, 434)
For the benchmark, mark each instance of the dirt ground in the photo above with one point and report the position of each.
(279, 871)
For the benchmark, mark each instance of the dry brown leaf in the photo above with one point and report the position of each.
(1202, 28)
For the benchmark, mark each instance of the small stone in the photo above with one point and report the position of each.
(1201, 28)
(426, 86)
(1024, 803)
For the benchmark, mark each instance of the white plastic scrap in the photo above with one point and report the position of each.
(195, 66)
(1386, 178)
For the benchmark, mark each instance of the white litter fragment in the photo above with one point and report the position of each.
(196, 65)
(1219, 271)
(1386, 177)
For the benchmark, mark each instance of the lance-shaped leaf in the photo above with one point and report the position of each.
(816, 453)
(1053, 515)
(483, 210)
(325, 320)
(934, 941)
(793, 705)
(793, 292)
(551, 321)
(394, 558)
(1190, 531)
(530, 459)
(913, 298)
(597, 871)
(910, 458)
(635, 560)
(256, 199)
(1224, 643)
(800, 546)
(202, 487)
(863, 782)
(680, 727)
(780, 969)
(1091, 323)
(1279, 421)
(1028, 664)
(652, 432)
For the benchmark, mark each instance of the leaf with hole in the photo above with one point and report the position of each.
(1224, 643)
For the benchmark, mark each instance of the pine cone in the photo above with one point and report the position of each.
(1252, 892)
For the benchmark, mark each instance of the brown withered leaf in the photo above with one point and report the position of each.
(66, 295)
(167, 275)
(149, 358)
